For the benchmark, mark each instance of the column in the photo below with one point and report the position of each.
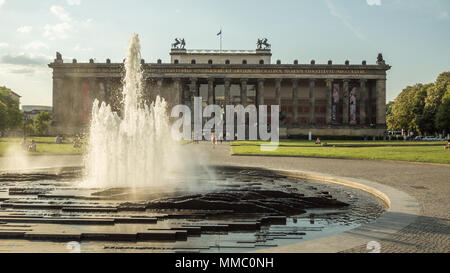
(159, 84)
(194, 88)
(312, 101)
(345, 102)
(294, 101)
(260, 93)
(92, 95)
(329, 88)
(77, 103)
(108, 90)
(227, 92)
(278, 92)
(178, 91)
(381, 102)
(244, 92)
(362, 102)
(58, 101)
(211, 95)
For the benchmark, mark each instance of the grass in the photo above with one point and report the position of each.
(343, 143)
(44, 146)
(421, 152)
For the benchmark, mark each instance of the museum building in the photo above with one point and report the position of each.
(324, 99)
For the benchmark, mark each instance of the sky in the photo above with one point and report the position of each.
(413, 35)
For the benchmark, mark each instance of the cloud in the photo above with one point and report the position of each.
(3, 44)
(23, 70)
(24, 59)
(82, 49)
(61, 13)
(24, 63)
(58, 31)
(374, 2)
(2, 2)
(345, 21)
(25, 29)
(36, 45)
(74, 2)
(65, 27)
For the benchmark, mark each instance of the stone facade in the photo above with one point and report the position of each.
(326, 99)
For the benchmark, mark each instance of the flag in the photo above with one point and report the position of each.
(220, 33)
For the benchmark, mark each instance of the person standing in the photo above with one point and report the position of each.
(213, 140)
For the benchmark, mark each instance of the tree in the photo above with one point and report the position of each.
(432, 102)
(416, 108)
(389, 116)
(443, 113)
(3, 116)
(408, 108)
(28, 127)
(10, 115)
(389, 108)
(41, 123)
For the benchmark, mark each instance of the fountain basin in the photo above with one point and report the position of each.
(241, 209)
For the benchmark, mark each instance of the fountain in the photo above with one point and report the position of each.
(133, 150)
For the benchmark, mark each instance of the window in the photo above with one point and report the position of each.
(176, 62)
(210, 62)
(227, 62)
(261, 62)
(244, 62)
(193, 62)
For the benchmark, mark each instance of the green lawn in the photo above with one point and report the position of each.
(44, 146)
(343, 143)
(427, 153)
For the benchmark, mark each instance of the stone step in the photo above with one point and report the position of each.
(274, 220)
(136, 220)
(62, 221)
(162, 235)
(88, 209)
(211, 227)
(12, 234)
(64, 237)
(128, 237)
(191, 231)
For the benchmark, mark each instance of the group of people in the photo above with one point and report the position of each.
(447, 147)
(76, 141)
(28, 146)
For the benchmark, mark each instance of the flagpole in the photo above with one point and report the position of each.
(221, 35)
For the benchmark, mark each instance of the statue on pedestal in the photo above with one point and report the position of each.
(380, 60)
(263, 43)
(179, 43)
